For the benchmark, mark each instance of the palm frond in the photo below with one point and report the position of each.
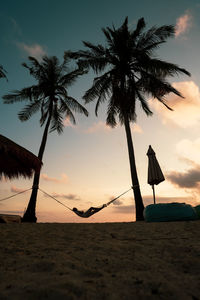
(111, 114)
(94, 57)
(56, 120)
(100, 88)
(74, 105)
(140, 26)
(108, 36)
(155, 35)
(29, 110)
(144, 104)
(35, 68)
(64, 108)
(44, 113)
(152, 47)
(17, 96)
(69, 78)
(72, 55)
(106, 91)
(162, 68)
(98, 50)
(158, 88)
(2, 72)
(30, 93)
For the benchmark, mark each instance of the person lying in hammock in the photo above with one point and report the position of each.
(89, 212)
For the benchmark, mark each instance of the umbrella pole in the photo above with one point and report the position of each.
(154, 200)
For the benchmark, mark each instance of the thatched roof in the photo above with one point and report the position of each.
(16, 161)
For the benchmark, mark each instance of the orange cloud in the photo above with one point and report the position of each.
(34, 50)
(186, 111)
(183, 24)
(189, 180)
(96, 127)
(63, 179)
(67, 123)
(189, 150)
(136, 128)
(66, 196)
(15, 189)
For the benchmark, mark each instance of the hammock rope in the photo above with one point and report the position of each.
(104, 205)
(111, 201)
(61, 203)
(15, 195)
(55, 199)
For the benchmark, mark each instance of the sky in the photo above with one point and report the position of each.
(88, 164)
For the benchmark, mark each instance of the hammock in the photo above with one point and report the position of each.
(83, 214)
(86, 214)
(92, 210)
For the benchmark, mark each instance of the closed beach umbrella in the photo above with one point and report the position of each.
(16, 161)
(155, 175)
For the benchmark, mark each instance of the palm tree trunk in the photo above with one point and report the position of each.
(30, 213)
(139, 206)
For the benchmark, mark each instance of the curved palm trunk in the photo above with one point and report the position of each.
(30, 215)
(139, 206)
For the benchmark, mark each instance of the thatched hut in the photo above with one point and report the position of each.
(16, 161)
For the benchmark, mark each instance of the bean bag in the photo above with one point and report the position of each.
(197, 209)
(165, 212)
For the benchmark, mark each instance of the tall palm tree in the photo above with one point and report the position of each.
(127, 71)
(50, 96)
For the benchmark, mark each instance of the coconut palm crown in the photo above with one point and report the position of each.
(128, 71)
(49, 96)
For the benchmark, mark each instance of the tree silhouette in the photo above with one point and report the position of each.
(128, 71)
(50, 96)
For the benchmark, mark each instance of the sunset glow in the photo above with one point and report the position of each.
(88, 164)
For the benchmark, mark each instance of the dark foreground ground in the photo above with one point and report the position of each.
(100, 261)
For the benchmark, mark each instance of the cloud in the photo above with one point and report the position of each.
(189, 151)
(102, 127)
(66, 196)
(98, 127)
(117, 201)
(63, 179)
(186, 111)
(125, 209)
(15, 189)
(67, 123)
(15, 212)
(34, 50)
(183, 24)
(188, 179)
(136, 128)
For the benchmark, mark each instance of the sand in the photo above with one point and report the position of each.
(100, 261)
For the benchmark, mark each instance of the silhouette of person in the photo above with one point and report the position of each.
(89, 212)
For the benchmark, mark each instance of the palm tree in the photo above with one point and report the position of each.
(50, 96)
(128, 70)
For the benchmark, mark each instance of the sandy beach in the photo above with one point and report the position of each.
(100, 261)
